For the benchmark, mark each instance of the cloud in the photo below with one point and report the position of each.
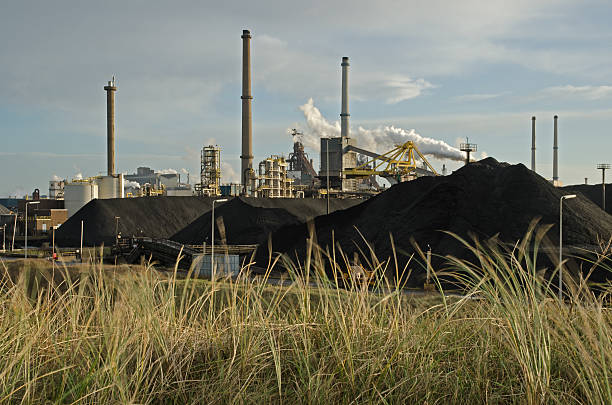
(479, 96)
(228, 174)
(577, 92)
(391, 88)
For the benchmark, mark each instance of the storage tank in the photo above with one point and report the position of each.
(77, 194)
(110, 186)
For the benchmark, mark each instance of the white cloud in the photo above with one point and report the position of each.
(577, 92)
(479, 96)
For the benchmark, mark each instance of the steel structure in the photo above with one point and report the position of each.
(210, 172)
(272, 181)
(399, 164)
(468, 148)
(298, 160)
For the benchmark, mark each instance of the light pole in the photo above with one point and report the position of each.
(26, 225)
(565, 197)
(212, 240)
(117, 230)
(603, 167)
(4, 238)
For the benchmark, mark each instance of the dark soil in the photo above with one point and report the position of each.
(156, 217)
(251, 220)
(484, 199)
(593, 193)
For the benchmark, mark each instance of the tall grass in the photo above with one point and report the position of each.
(102, 334)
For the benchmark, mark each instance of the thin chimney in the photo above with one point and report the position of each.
(247, 126)
(110, 126)
(533, 144)
(556, 154)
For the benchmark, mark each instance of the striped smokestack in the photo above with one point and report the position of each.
(344, 114)
(110, 126)
(247, 126)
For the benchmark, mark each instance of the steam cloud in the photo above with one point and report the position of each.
(130, 184)
(380, 139)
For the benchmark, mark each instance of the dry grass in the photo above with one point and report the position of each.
(102, 336)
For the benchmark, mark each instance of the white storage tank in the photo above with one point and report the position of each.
(110, 186)
(77, 194)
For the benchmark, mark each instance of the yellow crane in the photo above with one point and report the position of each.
(399, 164)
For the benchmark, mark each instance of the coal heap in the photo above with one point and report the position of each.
(593, 193)
(156, 217)
(484, 198)
(250, 220)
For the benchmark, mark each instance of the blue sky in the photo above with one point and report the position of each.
(447, 69)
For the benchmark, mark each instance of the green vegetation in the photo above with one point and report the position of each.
(115, 335)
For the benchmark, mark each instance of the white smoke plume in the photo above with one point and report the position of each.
(78, 176)
(166, 171)
(379, 140)
(130, 184)
(184, 171)
(56, 178)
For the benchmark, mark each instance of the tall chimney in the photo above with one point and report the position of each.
(344, 115)
(556, 155)
(533, 144)
(247, 127)
(110, 126)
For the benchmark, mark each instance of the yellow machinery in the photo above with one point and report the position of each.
(399, 164)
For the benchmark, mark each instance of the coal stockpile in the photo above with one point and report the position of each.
(156, 217)
(593, 193)
(484, 199)
(250, 220)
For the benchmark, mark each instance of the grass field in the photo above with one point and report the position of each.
(100, 334)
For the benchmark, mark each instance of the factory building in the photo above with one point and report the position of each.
(146, 175)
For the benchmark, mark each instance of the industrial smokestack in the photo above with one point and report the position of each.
(110, 126)
(533, 144)
(247, 127)
(556, 155)
(344, 115)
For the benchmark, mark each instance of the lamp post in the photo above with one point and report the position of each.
(26, 225)
(212, 240)
(117, 230)
(565, 197)
(4, 238)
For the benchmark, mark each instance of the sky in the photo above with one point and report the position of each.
(447, 69)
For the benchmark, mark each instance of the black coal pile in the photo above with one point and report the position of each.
(156, 217)
(250, 220)
(483, 199)
(593, 193)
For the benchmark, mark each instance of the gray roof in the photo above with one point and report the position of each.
(4, 210)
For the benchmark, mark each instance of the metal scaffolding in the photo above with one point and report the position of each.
(210, 172)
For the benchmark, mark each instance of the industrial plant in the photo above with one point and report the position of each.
(275, 195)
